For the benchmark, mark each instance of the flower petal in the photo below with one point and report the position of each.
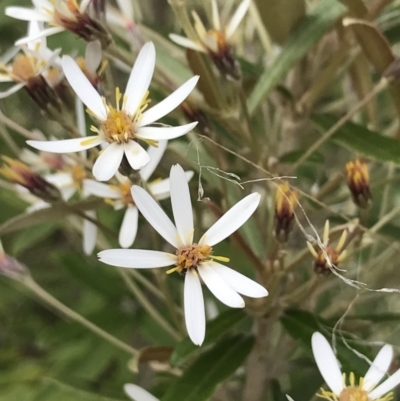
(221, 290)
(138, 393)
(169, 103)
(108, 162)
(162, 189)
(13, 89)
(327, 363)
(92, 187)
(140, 77)
(215, 15)
(128, 230)
(237, 18)
(42, 34)
(83, 88)
(136, 155)
(239, 282)
(153, 213)
(67, 145)
(155, 154)
(385, 387)
(195, 317)
(181, 204)
(163, 133)
(60, 179)
(234, 218)
(185, 42)
(136, 258)
(89, 233)
(93, 56)
(26, 14)
(378, 368)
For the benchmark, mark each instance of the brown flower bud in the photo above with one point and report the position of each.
(358, 183)
(285, 203)
(19, 173)
(193, 114)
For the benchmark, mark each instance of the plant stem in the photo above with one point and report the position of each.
(43, 295)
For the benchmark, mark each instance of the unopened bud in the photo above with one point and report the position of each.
(358, 183)
(193, 114)
(42, 93)
(11, 268)
(285, 203)
(19, 173)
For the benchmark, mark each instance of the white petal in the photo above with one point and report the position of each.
(155, 154)
(215, 15)
(60, 179)
(83, 88)
(136, 258)
(181, 204)
(140, 77)
(89, 233)
(221, 290)
(5, 78)
(163, 133)
(379, 367)
(13, 89)
(185, 42)
(386, 386)
(80, 116)
(67, 192)
(136, 155)
(153, 213)
(128, 230)
(138, 393)
(92, 187)
(169, 103)
(327, 363)
(126, 6)
(26, 14)
(195, 316)
(234, 218)
(83, 6)
(239, 282)
(34, 28)
(237, 18)
(162, 189)
(67, 145)
(93, 56)
(108, 162)
(42, 34)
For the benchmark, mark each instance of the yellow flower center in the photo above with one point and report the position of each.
(190, 256)
(353, 394)
(24, 68)
(120, 126)
(215, 41)
(78, 175)
(126, 198)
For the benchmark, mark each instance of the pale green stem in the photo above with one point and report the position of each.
(43, 295)
(136, 291)
(384, 220)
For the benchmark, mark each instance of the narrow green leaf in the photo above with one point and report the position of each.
(358, 138)
(306, 36)
(211, 368)
(215, 329)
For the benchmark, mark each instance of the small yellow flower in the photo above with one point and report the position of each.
(358, 183)
(328, 256)
(285, 203)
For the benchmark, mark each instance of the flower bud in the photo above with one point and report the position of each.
(358, 183)
(285, 202)
(11, 268)
(19, 173)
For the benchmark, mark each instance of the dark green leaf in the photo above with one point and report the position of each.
(211, 368)
(358, 138)
(215, 329)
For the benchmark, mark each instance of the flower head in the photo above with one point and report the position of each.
(328, 256)
(137, 393)
(285, 203)
(358, 183)
(123, 125)
(60, 15)
(215, 41)
(366, 389)
(195, 260)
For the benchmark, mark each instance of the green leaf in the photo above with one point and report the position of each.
(215, 329)
(211, 368)
(303, 39)
(357, 138)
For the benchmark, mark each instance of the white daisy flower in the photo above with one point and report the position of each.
(34, 60)
(215, 41)
(367, 389)
(137, 393)
(195, 260)
(122, 127)
(59, 15)
(119, 196)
